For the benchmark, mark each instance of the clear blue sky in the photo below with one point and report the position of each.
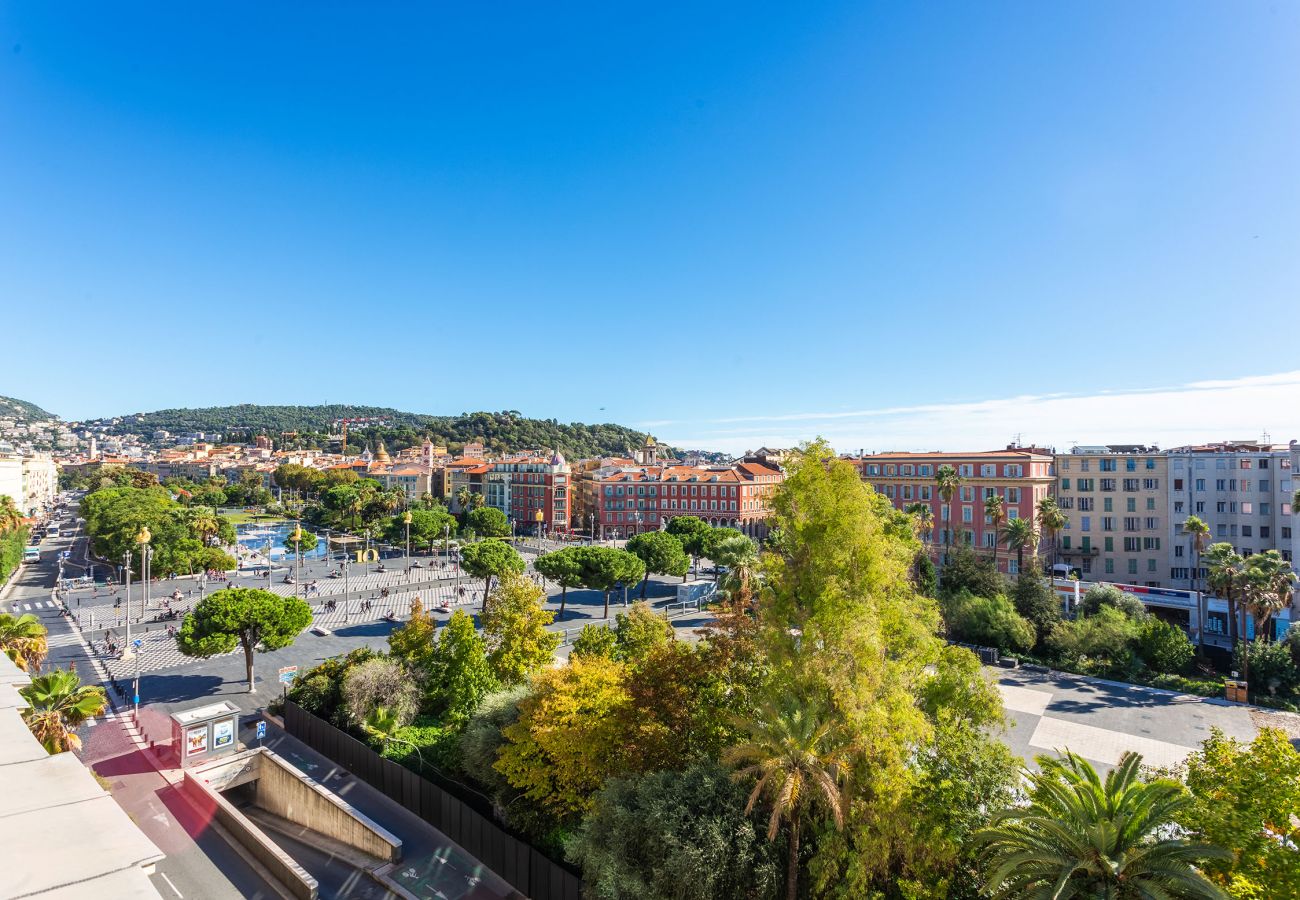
(679, 213)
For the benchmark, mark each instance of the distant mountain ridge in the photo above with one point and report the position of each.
(505, 430)
(23, 411)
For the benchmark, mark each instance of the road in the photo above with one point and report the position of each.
(199, 863)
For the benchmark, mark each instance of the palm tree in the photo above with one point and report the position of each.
(1270, 584)
(1051, 520)
(794, 758)
(1196, 528)
(59, 704)
(1226, 577)
(463, 493)
(995, 510)
(203, 519)
(1080, 837)
(23, 639)
(10, 515)
(922, 519)
(946, 482)
(1019, 534)
(740, 555)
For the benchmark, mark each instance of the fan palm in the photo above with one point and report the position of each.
(1019, 534)
(1196, 528)
(23, 639)
(795, 759)
(922, 519)
(203, 520)
(1226, 576)
(1051, 520)
(995, 510)
(59, 704)
(946, 482)
(1082, 837)
(1270, 583)
(463, 494)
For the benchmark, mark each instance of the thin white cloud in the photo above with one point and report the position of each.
(1243, 408)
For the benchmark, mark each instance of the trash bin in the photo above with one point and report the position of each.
(1235, 691)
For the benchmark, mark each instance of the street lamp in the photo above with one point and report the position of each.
(127, 650)
(540, 519)
(146, 553)
(297, 551)
(406, 520)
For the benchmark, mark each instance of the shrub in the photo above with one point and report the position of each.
(1100, 595)
(379, 682)
(595, 640)
(1163, 647)
(482, 738)
(967, 570)
(426, 746)
(1101, 644)
(988, 622)
(640, 631)
(1037, 602)
(675, 834)
(1272, 671)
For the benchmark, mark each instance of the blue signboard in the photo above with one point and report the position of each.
(261, 730)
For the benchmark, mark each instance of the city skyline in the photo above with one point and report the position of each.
(841, 208)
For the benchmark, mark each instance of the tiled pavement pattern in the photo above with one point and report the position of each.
(1100, 720)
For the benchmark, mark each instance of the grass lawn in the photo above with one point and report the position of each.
(241, 517)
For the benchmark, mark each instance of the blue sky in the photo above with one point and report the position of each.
(790, 217)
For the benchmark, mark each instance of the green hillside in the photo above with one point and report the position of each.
(314, 425)
(11, 407)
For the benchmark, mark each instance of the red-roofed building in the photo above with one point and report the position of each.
(1021, 476)
(626, 500)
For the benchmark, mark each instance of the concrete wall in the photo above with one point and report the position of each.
(293, 876)
(286, 792)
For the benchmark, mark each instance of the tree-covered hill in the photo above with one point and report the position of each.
(499, 431)
(13, 408)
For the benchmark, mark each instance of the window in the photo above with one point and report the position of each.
(1131, 484)
(1246, 531)
(1178, 484)
(1150, 484)
(1107, 523)
(1151, 543)
(1151, 463)
(1247, 509)
(1132, 566)
(1132, 544)
(1108, 484)
(1178, 550)
(924, 470)
(1106, 465)
(1246, 464)
(1085, 484)
(1065, 484)
(1109, 544)
(1220, 484)
(1151, 564)
(1132, 523)
(1178, 506)
(1107, 504)
(988, 470)
(1200, 484)
(968, 494)
(1263, 463)
(925, 492)
(967, 514)
(943, 511)
(1110, 566)
(1131, 504)
(1151, 502)
(906, 470)
(1065, 502)
(1085, 523)
(966, 470)
(1013, 495)
(1086, 504)
(1178, 572)
(1152, 523)
(1085, 465)
(1130, 464)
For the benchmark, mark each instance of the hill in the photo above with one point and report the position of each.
(23, 411)
(314, 425)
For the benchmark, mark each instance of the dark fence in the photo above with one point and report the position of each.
(526, 868)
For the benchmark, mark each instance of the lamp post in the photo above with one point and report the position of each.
(297, 551)
(406, 520)
(366, 555)
(126, 650)
(540, 519)
(268, 564)
(446, 533)
(146, 558)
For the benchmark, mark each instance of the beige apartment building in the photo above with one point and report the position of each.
(1116, 498)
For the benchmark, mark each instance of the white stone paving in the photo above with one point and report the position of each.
(1103, 745)
(1024, 700)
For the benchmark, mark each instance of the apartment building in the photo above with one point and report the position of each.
(533, 492)
(1116, 500)
(1020, 476)
(1241, 489)
(623, 500)
(31, 479)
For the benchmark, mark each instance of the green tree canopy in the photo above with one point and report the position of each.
(486, 559)
(250, 618)
(428, 526)
(692, 531)
(514, 630)
(564, 567)
(457, 672)
(300, 540)
(604, 568)
(487, 521)
(661, 553)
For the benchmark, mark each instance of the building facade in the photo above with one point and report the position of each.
(1116, 501)
(1242, 490)
(533, 492)
(1020, 476)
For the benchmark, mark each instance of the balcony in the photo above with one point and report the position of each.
(1078, 551)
